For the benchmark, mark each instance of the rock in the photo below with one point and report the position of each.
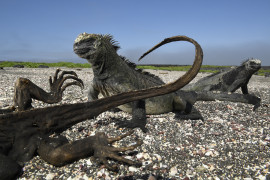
(133, 169)
(18, 66)
(173, 171)
(151, 177)
(158, 157)
(201, 168)
(50, 176)
(43, 66)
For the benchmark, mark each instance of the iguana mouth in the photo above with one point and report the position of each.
(254, 64)
(85, 46)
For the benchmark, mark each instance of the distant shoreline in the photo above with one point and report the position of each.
(265, 70)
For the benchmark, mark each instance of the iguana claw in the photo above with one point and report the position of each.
(56, 84)
(26, 90)
(103, 150)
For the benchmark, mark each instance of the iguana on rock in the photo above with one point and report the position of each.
(114, 74)
(228, 80)
(24, 133)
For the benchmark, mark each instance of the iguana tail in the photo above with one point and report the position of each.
(57, 118)
(188, 76)
(233, 97)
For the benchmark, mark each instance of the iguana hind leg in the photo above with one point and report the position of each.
(98, 146)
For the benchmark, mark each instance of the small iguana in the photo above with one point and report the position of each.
(228, 80)
(24, 133)
(114, 74)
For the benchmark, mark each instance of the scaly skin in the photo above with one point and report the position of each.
(114, 74)
(25, 133)
(229, 80)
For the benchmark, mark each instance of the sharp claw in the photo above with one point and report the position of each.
(112, 140)
(256, 106)
(71, 77)
(113, 168)
(56, 74)
(109, 152)
(70, 84)
(50, 80)
(67, 72)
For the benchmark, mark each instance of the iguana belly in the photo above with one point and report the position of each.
(155, 105)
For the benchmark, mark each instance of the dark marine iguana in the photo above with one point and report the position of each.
(24, 133)
(228, 80)
(25, 91)
(114, 74)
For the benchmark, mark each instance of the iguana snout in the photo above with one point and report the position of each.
(85, 45)
(253, 64)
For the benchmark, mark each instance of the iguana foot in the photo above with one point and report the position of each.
(132, 124)
(184, 116)
(103, 150)
(194, 114)
(56, 84)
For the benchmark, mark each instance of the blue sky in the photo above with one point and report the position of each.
(229, 31)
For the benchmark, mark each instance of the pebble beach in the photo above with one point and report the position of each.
(233, 141)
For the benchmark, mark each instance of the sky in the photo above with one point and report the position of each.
(229, 32)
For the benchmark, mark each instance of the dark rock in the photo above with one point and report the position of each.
(18, 66)
(1, 68)
(43, 66)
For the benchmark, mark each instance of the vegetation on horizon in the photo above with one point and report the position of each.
(37, 64)
(204, 68)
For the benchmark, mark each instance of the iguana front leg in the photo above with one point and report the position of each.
(93, 93)
(244, 89)
(138, 116)
(98, 146)
(9, 168)
(25, 90)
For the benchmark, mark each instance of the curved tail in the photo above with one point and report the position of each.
(61, 117)
(193, 71)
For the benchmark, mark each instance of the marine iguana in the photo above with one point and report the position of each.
(24, 133)
(114, 74)
(228, 80)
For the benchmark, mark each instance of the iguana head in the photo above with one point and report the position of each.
(89, 46)
(252, 65)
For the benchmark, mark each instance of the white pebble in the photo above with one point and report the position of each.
(133, 169)
(173, 171)
(50, 176)
(159, 158)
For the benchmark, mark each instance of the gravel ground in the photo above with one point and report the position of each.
(232, 143)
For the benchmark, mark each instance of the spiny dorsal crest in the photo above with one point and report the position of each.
(146, 74)
(113, 42)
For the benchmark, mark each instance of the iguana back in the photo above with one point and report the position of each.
(114, 74)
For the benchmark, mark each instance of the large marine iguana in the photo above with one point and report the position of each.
(114, 74)
(25, 90)
(26, 133)
(228, 80)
